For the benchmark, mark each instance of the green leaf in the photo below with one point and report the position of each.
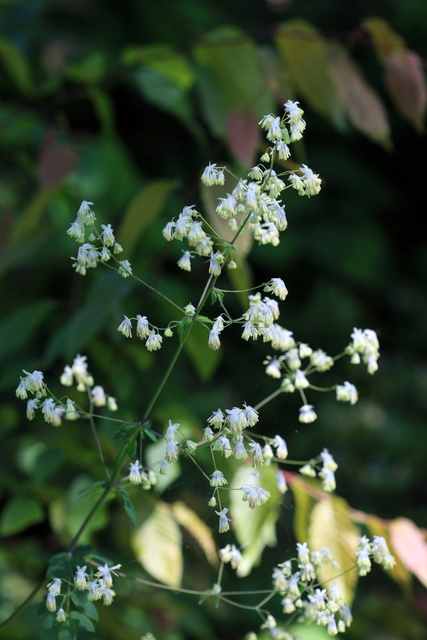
(163, 59)
(60, 566)
(158, 545)
(331, 526)
(84, 605)
(204, 360)
(255, 528)
(222, 54)
(16, 66)
(19, 514)
(129, 508)
(67, 631)
(90, 70)
(304, 53)
(145, 207)
(30, 221)
(82, 621)
(131, 450)
(17, 328)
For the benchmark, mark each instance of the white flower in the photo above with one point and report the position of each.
(273, 367)
(293, 111)
(303, 552)
(282, 487)
(48, 409)
(170, 432)
(216, 419)
(172, 449)
(217, 259)
(214, 341)
(307, 414)
(277, 287)
(125, 327)
(256, 452)
(212, 176)
(51, 602)
(34, 381)
(84, 209)
(61, 616)
(111, 403)
(163, 468)
(168, 231)
(307, 470)
(95, 591)
(332, 626)
(104, 573)
(154, 341)
(70, 410)
(135, 476)
(184, 262)
(107, 235)
(142, 327)
(347, 393)
(363, 561)
(54, 587)
(32, 405)
(98, 396)
(328, 480)
(217, 479)
(223, 520)
(125, 270)
(281, 448)
(300, 381)
(321, 360)
(80, 578)
(67, 376)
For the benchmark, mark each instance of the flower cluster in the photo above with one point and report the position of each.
(152, 337)
(377, 550)
(89, 255)
(364, 346)
(54, 411)
(99, 586)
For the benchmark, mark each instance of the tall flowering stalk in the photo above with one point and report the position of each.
(254, 206)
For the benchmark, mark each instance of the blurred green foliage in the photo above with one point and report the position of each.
(123, 104)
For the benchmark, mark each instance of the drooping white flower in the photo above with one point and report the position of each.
(184, 262)
(223, 520)
(98, 396)
(142, 327)
(217, 479)
(154, 341)
(307, 414)
(107, 235)
(281, 448)
(135, 476)
(125, 327)
(104, 574)
(300, 381)
(80, 578)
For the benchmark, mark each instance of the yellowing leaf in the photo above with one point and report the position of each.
(410, 546)
(331, 526)
(254, 528)
(405, 80)
(361, 103)
(399, 572)
(304, 52)
(157, 544)
(385, 39)
(188, 519)
(303, 505)
(143, 208)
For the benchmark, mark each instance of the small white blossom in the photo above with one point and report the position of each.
(300, 381)
(281, 448)
(47, 409)
(217, 479)
(142, 327)
(98, 396)
(80, 579)
(135, 476)
(104, 574)
(307, 414)
(32, 405)
(223, 520)
(184, 262)
(125, 327)
(347, 393)
(154, 341)
(107, 235)
(212, 176)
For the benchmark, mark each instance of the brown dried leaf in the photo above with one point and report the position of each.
(361, 103)
(405, 80)
(409, 544)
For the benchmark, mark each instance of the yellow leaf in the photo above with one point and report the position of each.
(385, 39)
(304, 53)
(331, 526)
(303, 505)
(188, 519)
(158, 545)
(254, 528)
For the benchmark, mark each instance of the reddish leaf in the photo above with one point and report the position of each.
(362, 105)
(409, 544)
(243, 135)
(55, 161)
(405, 80)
